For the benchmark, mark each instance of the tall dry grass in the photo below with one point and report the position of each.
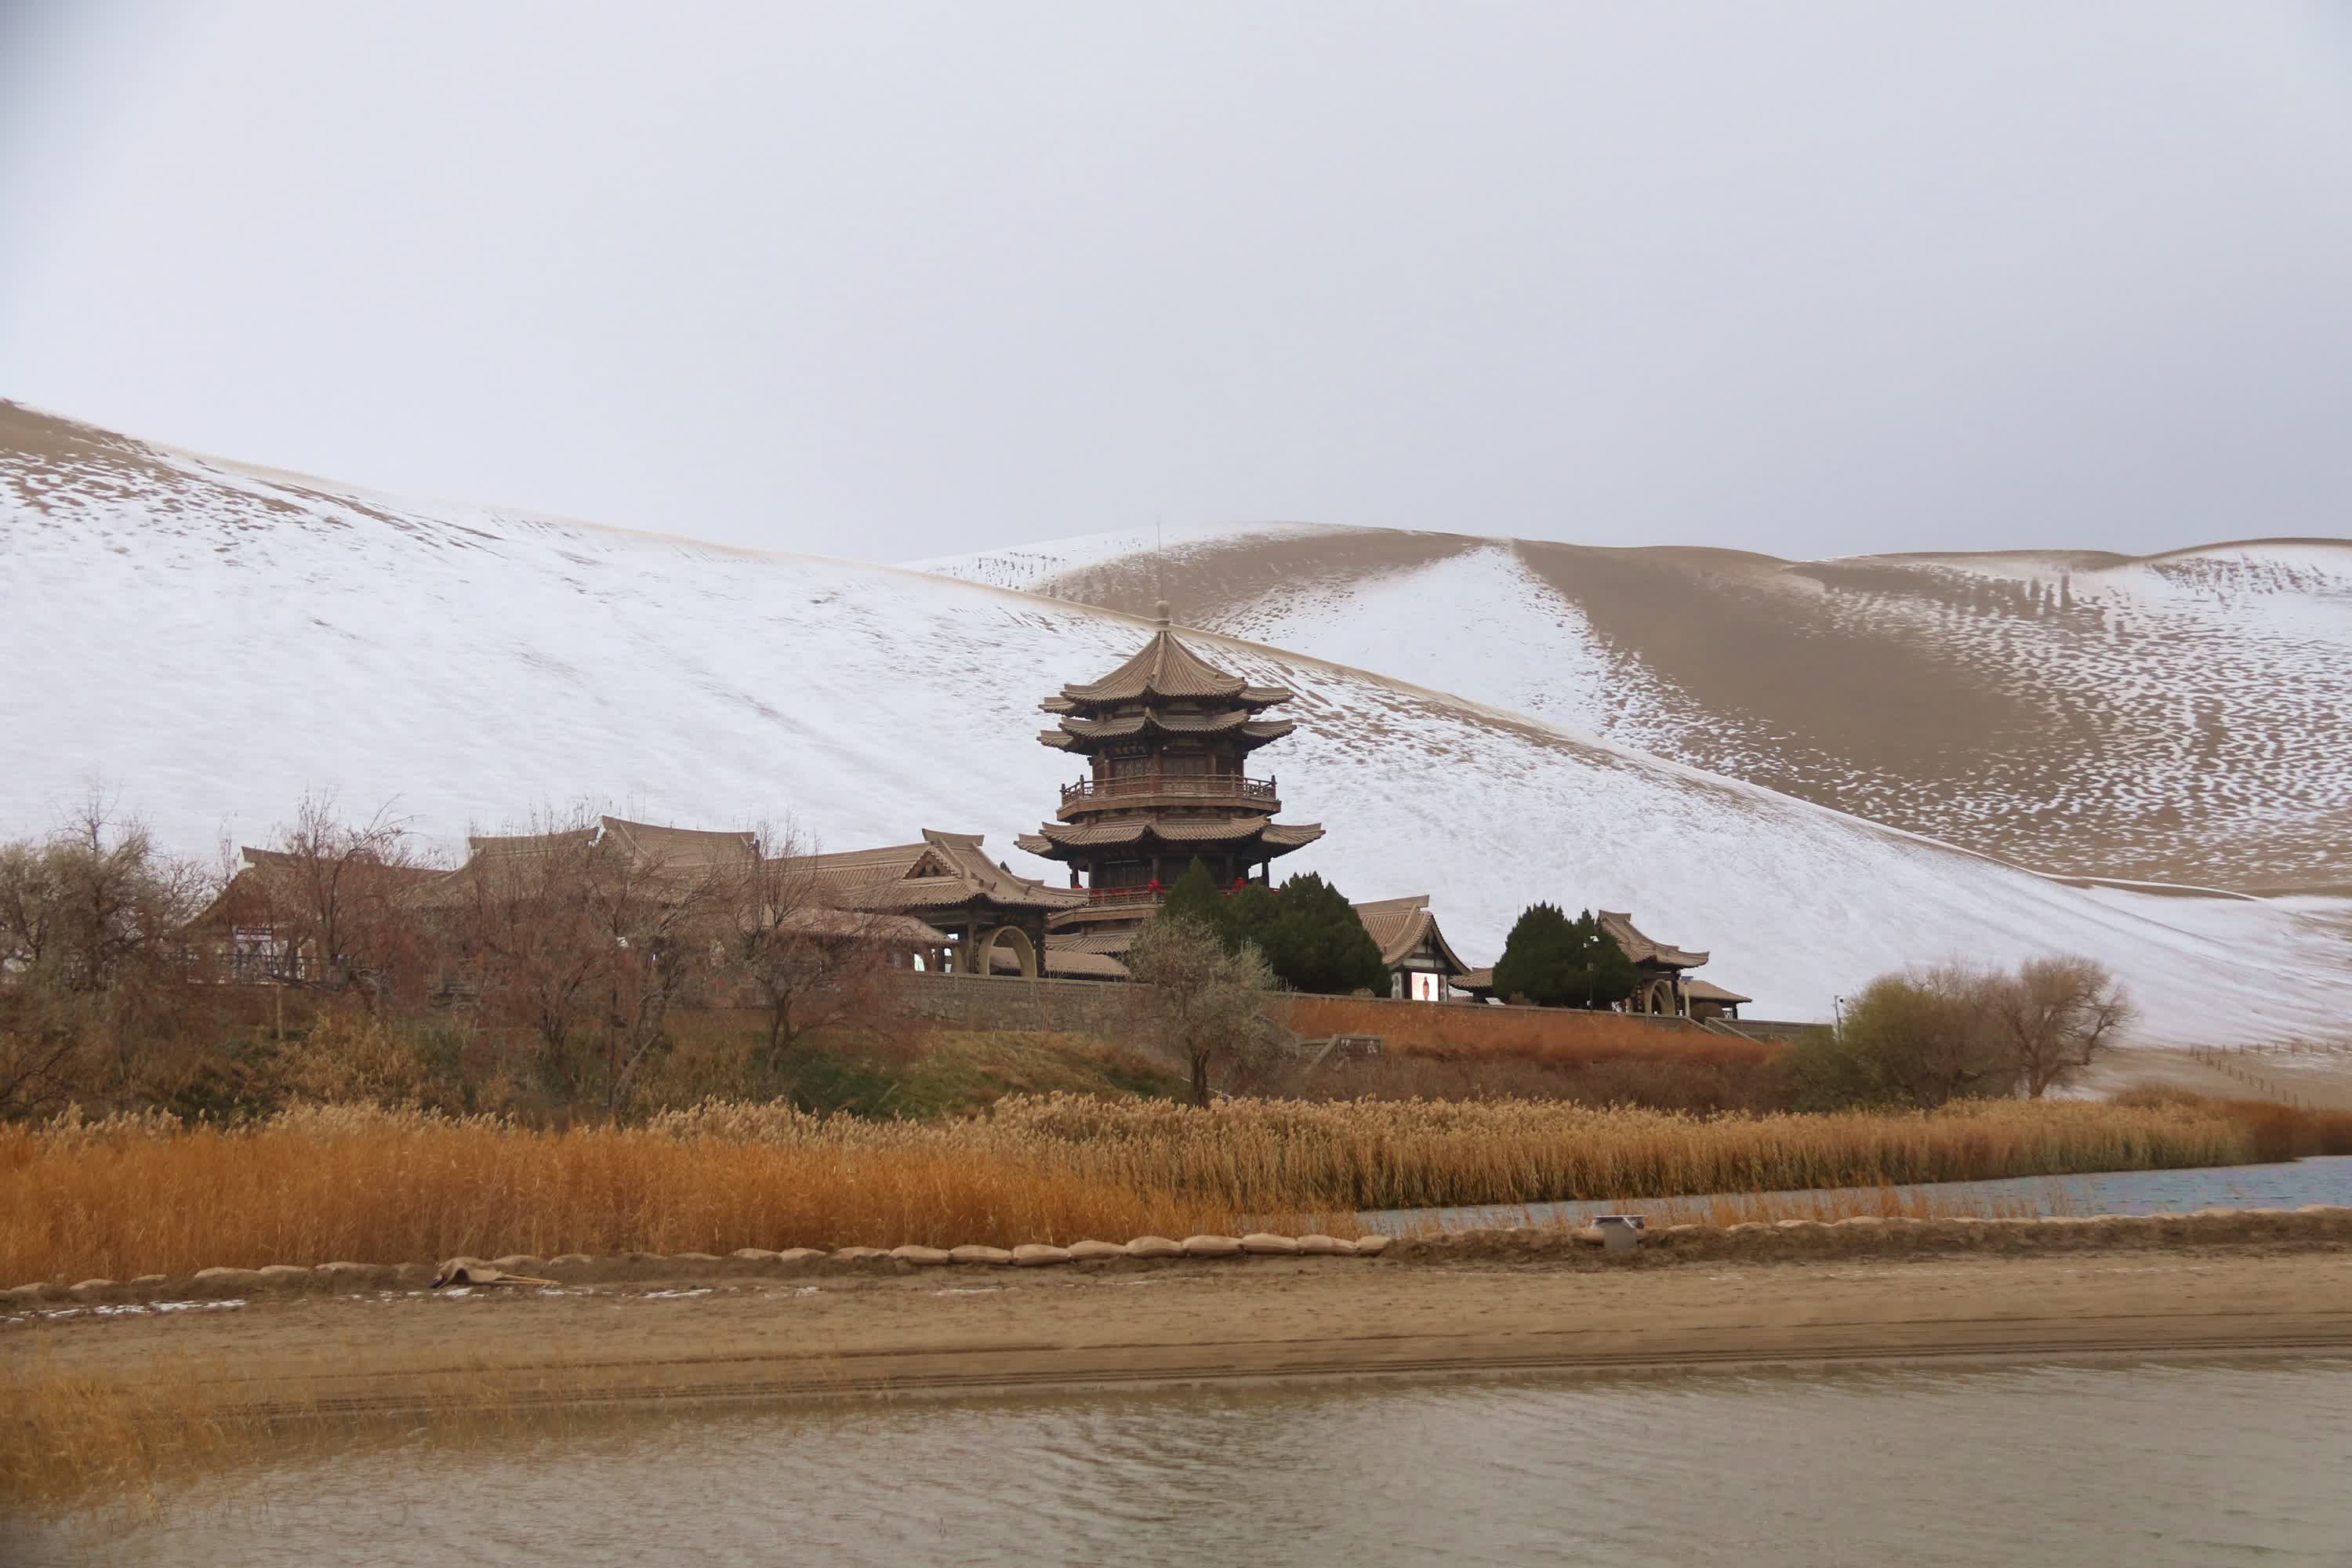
(134, 1196)
(371, 1187)
(1550, 1035)
(1410, 1154)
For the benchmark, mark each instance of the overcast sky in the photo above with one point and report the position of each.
(890, 281)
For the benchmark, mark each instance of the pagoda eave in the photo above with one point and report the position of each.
(1253, 839)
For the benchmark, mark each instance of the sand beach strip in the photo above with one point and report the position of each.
(706, 1336)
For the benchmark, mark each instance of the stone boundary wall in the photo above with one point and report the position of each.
(1005, 1002)
(1776, 1030)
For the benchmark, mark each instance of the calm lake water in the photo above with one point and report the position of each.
(2325, 1179)
(2147, 1464)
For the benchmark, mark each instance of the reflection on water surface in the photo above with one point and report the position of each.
(2140, 1465)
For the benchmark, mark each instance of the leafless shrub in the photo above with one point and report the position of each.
(1953, 1032)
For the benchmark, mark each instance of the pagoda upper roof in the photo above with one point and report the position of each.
(1165, 667)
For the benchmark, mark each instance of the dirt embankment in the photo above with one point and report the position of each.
(692, 1329)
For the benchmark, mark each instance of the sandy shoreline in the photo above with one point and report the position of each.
(948, 1333)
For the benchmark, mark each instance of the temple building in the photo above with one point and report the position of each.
(1167, 739)
(1422, 967)
(994, 920)
(1660, 965)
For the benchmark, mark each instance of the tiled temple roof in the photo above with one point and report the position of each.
(1644, 949)
(1066, 960)
(1399, 925)
(943, 870)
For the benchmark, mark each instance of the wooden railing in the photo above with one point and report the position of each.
(1214, 786)
(1102, 896)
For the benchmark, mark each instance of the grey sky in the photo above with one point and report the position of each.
(892, 280)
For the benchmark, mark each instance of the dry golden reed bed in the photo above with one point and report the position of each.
(127, 1197)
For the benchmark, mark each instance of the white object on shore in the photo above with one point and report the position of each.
(1620, 1232)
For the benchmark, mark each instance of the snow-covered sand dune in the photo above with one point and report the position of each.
(216, 640)
(2185, 717)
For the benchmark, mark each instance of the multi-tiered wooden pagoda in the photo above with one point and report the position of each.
(1167, 737)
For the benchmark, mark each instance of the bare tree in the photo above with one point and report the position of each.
(590, 941)
(809, 960)
(89, 920)
(527, 932)
(2054, 1015)
(122, 901)
(1195, 1000)
(341, 899)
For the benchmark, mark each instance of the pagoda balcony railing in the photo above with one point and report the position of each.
(1147, 893)
(1196, 786)
(1111, 897)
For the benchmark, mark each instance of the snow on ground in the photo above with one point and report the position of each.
(216, 641)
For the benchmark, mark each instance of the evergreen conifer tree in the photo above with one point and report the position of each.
(1600, 974)
(1554, 961)
(1196, 897)
(1534, 964)
(1312, 938)
(1250, 914)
